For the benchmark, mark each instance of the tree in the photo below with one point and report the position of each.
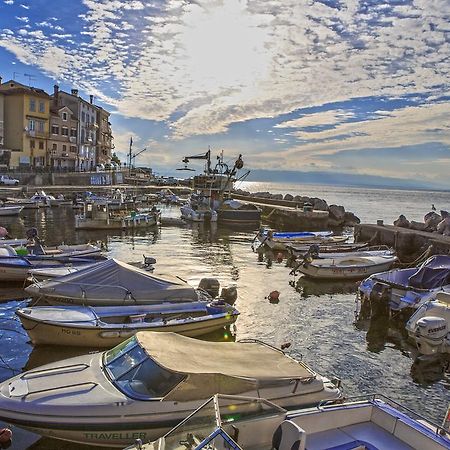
(115, 159)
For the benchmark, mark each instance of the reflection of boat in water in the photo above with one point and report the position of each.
(144, 386)
(366, 422)
(308, 287)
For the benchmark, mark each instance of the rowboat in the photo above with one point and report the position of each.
(368, 422)
(10, 210)
(147, 384)
(105, 327)
(279, 241)
(351, 267)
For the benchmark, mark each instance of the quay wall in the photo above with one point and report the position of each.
(408, 243)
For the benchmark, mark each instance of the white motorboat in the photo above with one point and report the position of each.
(10, 210)
(147, 384)
(113, 282)
(429, 327)
(348, 267)
(99, 216)
(107, 326)
(198, 213)
(361, 423)
(46, 273)
(23, 202)
(404, 290)
(42, 199)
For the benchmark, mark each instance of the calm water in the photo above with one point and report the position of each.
(317, 318)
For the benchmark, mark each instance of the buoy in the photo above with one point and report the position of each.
(285, 345)
(5, 436)
(274, 297)
(280, 257)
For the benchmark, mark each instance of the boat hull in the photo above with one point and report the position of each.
(10, 210)
(343, 273)
(238, 216)
(45, 333)
(113, 224)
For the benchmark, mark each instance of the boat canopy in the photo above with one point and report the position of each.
(253, 359)
(434, 273)
(114, 280)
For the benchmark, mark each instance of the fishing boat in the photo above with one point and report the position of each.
(429, 327)
(347, 267)
(99, 216)
(150, 382)
(404, 290)
(360, 423)
(10, 210)
(107, 326)
(279, 241)
(113, 282)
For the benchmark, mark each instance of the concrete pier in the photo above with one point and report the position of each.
(409, 244)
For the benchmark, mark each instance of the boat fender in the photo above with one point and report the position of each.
(5, 437)
(274, 297)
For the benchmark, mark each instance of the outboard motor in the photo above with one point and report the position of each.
(229, 295)
(430, 334)
(210, 285)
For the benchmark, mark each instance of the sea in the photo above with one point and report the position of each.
(316, 318)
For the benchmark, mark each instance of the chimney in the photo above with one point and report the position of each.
(91, 99)
(74, 92)
(55, 94)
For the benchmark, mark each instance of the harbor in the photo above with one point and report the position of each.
(318, 316)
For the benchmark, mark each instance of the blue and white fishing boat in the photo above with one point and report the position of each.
(241, 423)
(405, 289)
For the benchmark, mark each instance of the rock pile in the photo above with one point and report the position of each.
(338, 216)
(432, 222)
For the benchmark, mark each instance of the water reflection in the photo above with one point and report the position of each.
(308, 287)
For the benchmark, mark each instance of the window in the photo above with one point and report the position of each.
(73, 132)
(82, 135)
(64, 116)
(40, 126)
(41, 145)
(83, 116)
(65, 131)
(31, 125)
(41, 107)
(32, 104)
(64, 148)
(73, 149)
(32, 144)
(55, 147)
(55, 129)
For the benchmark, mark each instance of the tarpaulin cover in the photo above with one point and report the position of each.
(434, 273)
(114, 280)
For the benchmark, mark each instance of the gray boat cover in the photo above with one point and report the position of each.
(115, 281)
(434, 273)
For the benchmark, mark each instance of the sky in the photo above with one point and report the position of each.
(348, 87)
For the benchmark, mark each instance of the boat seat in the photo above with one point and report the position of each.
(289, 436)
(135, 318)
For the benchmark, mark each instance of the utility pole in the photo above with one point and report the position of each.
(129, 156)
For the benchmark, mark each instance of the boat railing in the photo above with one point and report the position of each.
(373, 397)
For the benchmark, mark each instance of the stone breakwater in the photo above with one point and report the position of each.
(337, 215)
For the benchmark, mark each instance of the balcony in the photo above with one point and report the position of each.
(36, 134)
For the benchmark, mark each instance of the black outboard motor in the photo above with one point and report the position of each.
(314, 251)
(229, 295)
(34, 244)
(210, 285)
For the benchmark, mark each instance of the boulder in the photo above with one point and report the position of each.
(301, 199)
(277, 196)
(419, 226)
(351, 219)
(289, 197)
(432, 220)
(337, 213)
(320, 204)
(402, 222)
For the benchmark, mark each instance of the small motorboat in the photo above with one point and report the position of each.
(145, 385)
(46, 273)
(404, 289)
(278, 241)
(10, 210)
(235, 212)
(23, 202)
(42, 199)
(107, 326)
(197, 212)
(361, 423)
(429, 327)
(113, 282)
(15, 267)
(347, 267)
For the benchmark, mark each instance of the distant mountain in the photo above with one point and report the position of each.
(341, 179)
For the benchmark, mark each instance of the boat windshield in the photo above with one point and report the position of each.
(216, 423)
(138, 376)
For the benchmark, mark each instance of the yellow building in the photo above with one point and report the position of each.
(26, 124)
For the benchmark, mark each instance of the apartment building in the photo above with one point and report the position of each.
(85, 113)
(26, 124)
(104, 137)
